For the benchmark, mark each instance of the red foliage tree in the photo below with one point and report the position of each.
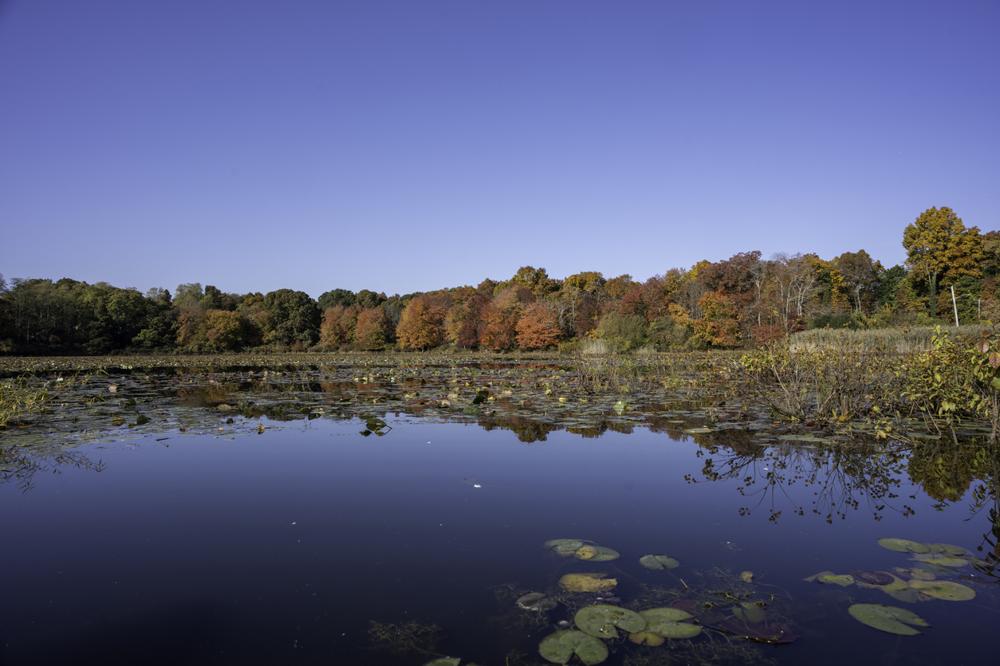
(538, 327)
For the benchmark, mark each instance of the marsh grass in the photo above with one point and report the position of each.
(17, 400)
(900, 340)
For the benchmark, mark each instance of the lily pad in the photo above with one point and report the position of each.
(594, 553)
(565, 547)
(647, 638)
(587, 582)
(890, 619)
(903, 545)
(444, 661)
(944, 589)
(601, 620)
(898, 589)
(830, 578)
(947, 549)
(658, 562)
(560, 647)
(538, 602)
(669, 623)
(941, 560)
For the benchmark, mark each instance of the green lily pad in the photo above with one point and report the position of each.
(830, 578)
(565, 547)
(941, 560)
(600, 620)
(947, 549)
(889, 619)
(944, 589)
(903, 545)
(595, 553)
(444, 661)
(560, 647)
(897, 588)
(669, 623)
(658, 562)
(917, 573)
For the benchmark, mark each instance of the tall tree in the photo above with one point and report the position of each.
(421, 325)
(939, 246)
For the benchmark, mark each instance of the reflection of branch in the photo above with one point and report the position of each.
(842, 477)
(21, 468)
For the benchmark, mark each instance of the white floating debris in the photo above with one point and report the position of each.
(477, 485)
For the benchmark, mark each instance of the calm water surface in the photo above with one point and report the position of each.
(281, 548)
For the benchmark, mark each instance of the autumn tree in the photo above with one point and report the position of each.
(860, 275)
(538, 327)
(939, 246)
(461, 322)
(421, 326)
(718, 325)
(337, 329)
(498, 321)
(371, 330)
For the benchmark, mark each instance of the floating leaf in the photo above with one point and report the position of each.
(898, 589)
(746, 576)
(658, 562)
(946, 549)
(830, 578)
(560, 647)
(599, 554)
(587, 582)
(669, 623)
(536, 601)
(600, 620)
(889, 619)
(444, 661)
(944, 589)
(942, 560)
(903, 545)
(647, 638)
(565, 547)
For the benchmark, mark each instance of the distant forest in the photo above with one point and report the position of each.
(742, 301)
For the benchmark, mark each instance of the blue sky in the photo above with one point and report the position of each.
(405, 146)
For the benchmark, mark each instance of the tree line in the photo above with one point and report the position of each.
(741, 301)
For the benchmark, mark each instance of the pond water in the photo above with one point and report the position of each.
(314, 544)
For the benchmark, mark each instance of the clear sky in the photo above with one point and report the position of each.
(411, 145)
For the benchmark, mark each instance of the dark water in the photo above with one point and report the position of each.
(281, 548)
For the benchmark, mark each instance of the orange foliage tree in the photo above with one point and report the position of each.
(421, 326)
(538, 327)
(337, 328)
(371, 329)
(718, 325)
